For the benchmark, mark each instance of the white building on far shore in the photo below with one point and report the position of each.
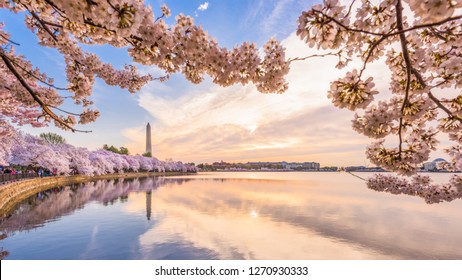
(434, 165)
(301, 165)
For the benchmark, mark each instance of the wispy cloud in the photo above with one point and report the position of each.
(274, 18)
(276, 15)
(204, 6)
(253, 11)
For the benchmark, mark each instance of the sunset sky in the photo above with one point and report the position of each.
(206, 122)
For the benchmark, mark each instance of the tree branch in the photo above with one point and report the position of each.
(433, 98)
(33, 75)
(45, 108)
(64, 111)
(419, 26)
(369, 54)
(407, 60)
(347, 28)
(314, 55)
(44, 26)
(12, 42)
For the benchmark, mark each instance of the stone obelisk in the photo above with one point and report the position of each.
(148, 205)
(148, 139)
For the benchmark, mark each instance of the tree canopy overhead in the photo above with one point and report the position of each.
(65, 25)
(419, 41)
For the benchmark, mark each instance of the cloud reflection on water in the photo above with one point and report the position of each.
(239, 216)
(335, 219)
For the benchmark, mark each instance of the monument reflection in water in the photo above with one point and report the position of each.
(231, 216)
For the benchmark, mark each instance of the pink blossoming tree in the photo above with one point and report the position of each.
(31, 97)
(421, 42)
(28, 150)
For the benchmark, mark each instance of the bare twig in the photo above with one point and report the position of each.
(314, 55)
(369, 54)
(12, 42)
(64, 111)
(357, 176)
(158, 18)
(349, 9)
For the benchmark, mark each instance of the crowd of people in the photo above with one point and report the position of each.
(15, 170)
(11, 173)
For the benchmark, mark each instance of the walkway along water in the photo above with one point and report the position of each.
(6, 178)
(14, 192)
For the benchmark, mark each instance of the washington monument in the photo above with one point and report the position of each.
(148, 139)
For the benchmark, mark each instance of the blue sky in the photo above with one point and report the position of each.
(205, 122)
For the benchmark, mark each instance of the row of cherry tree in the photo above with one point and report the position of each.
(27, 150)
(419, 41)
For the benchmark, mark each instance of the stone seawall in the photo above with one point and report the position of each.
(14, 192)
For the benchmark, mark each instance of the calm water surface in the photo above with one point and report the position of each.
(232, 216)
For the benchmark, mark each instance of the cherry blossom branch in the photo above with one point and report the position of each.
(426, 25)
(12, 42)
(407, 60)
(52, 24)
(64, 111)
(347, 28)
(160, 17)
(54, 6)
(432, 97)
(437, 34)
(369, 54)
(44, 26)
(33, 75)
(359, 177)
(404, 30)
(107, 1)
(26, 86)
(349, 8)
(314, 55)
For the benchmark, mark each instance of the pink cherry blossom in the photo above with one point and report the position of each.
(423, 53)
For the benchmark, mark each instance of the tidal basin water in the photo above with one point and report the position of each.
(232, 216)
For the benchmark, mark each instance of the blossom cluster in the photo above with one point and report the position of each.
(418, 185)
(434, 10)
(28, 150)
(404, 162)
(424, 55)
(351, 92)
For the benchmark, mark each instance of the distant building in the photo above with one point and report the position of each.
(300, 165)
(264, 165)
(434, 165)
(363, 169)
